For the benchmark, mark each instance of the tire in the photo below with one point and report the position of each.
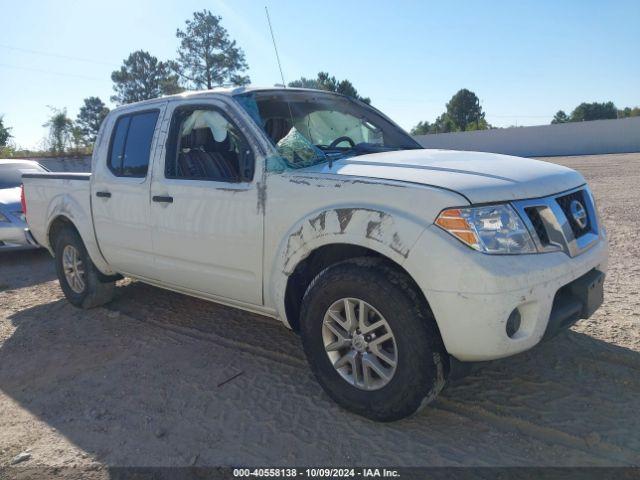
(421, 363)
(93, 291)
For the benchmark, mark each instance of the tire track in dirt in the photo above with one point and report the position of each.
(608, 358)
(456, 409)
(605, 451)
(272, 355)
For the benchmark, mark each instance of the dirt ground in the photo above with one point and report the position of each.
(142, 381)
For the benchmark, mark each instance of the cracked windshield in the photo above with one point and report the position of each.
(310, 127)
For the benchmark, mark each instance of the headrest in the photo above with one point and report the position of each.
(277, 128)
(207, 118)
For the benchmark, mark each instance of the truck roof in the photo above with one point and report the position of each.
(227, 91)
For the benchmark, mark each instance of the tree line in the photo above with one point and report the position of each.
(464, 113)
(595, 111)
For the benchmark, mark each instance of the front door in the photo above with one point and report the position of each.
(205, 213)
(120, 193)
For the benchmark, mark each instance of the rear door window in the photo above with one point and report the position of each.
(131, 144)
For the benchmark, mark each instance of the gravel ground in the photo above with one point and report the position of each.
(143, 382)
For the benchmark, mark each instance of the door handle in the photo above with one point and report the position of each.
(103, 194)
(162, 199)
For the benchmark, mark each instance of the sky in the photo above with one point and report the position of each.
(524, 59)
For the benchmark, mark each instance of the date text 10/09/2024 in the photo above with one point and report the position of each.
(316, 472)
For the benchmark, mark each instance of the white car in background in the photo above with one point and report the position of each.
(14, 232)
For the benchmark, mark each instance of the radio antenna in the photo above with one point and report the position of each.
(275, 47)
(284, 84)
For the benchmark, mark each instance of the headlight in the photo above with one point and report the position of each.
(493, 229)
(3, 218)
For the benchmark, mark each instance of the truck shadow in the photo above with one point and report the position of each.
(25, 268)
(159, 378)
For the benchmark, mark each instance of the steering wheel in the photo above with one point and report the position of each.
(339, 140)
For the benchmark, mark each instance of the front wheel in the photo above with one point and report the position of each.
(79, 279)
(371, 341)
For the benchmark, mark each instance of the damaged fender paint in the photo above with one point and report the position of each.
(359, 226)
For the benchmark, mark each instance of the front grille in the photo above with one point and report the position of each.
(536, 220)
(565, 204)
(556, 226)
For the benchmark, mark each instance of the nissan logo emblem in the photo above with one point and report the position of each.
(578, 213)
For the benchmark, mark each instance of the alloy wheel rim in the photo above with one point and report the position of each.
(73, 268)
(359, 343)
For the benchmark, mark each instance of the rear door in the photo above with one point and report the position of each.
(205, 209)
(120, 192)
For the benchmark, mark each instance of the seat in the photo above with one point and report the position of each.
(205, 157)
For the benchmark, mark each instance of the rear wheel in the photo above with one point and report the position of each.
(371, 341)
(79, 279)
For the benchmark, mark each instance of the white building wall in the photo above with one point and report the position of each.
(575, 138)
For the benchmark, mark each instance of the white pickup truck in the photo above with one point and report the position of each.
(390, 260)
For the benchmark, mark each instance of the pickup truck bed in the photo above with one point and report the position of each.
(62, 195)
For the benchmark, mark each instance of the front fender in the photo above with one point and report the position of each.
(389, 233)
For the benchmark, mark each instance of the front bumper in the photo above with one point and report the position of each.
(472, 294)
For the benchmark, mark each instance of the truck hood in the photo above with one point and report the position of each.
(10, 199)
(481, 177)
